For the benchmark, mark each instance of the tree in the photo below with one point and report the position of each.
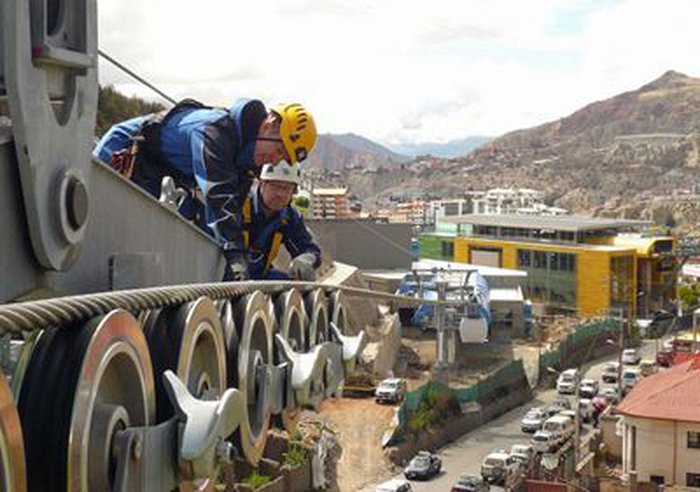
(113, 107)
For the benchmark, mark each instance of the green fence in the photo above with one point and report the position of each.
(482, 391)
(579, 346)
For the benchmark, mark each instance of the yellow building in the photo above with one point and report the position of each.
(575, 264)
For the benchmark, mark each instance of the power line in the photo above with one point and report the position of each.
(136, 76)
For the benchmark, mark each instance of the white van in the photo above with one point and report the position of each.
(543, 441)
(567, 381)
(559, 426)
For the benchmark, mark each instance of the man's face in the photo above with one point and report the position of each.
(276, 195)
(269, 147)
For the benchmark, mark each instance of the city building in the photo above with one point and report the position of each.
(330, 203)
(521, 201)
(661, 427)
(578, 265)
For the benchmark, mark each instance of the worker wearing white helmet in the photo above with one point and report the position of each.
(269, 221)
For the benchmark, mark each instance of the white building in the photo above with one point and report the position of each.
(661, 427)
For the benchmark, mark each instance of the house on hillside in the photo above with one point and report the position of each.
(661, 427)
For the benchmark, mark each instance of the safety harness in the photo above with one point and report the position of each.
(277, 237)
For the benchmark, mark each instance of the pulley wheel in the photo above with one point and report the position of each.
(293, 326)
(317, 309)
(83, 384)
(292, 322)
(12, 467)
(188, 340)
(247, 365)
(337, 308)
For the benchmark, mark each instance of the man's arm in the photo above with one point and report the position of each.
(223, 187)
(305, 253)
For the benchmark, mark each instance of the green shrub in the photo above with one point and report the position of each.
(256, 481)
(295, 455)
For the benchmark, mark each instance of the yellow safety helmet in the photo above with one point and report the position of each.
(297, 130)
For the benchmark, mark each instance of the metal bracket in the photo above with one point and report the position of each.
(352, 347)
(307, 372)
(50, 74)
(198, 431)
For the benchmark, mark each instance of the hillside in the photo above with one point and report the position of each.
(624, 156)
(453, 148)
(348, 151)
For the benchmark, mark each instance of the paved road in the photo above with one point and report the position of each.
(465, 455)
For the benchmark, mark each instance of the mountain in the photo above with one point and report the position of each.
(453, 148)
(635, 155)
(348, 151)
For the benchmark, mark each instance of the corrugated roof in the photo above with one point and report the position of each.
(555, 222)
(673, 394)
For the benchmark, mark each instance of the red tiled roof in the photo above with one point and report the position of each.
(673, 394)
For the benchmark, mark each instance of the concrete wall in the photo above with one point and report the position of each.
(365, 244)
(613, 442)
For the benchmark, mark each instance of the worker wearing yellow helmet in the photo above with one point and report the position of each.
(213, 153)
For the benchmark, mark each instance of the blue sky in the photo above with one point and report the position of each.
(403, 71)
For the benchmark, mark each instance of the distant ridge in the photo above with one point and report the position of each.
(453, 148)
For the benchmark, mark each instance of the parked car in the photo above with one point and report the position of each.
(561, 403)
(499, 468)
(631, 357)
(610, 373)
(394, 485)
(470, 483)
(423, 466)
(665, 358)
(610, 394)
(524, 453)
(551, 410)
(630, 377)
(566, 383)
(648, 367)
(543, 441)
(533, 420)
(588, 388)
(390, 390)
(559, 426)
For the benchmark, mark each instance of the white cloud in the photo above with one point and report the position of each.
(402, 70)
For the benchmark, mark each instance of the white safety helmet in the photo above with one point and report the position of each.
(283, 171)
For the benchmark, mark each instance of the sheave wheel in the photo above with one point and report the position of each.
(247, 363)
(189, 341)
(12, 468)
(83, 384)
(293, 326)
(317, 309)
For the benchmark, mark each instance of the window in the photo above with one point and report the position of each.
(451, 209)
(540, 259)
(694, 440)
(448, 249)
(523, 258)
(692, 479)
(657, 479)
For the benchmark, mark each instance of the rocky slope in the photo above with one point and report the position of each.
(636, 154)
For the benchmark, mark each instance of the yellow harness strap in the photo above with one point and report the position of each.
(277, 237)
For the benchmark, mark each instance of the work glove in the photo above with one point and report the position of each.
(236, 266)
(302, 267)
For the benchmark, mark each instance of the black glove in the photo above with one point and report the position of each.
(302, 267)
(236, 267)
(236, 272)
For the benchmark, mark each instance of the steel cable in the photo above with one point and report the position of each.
(30, 316)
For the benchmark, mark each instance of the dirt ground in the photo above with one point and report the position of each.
(359, 424)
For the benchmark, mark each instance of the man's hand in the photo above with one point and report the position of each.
(302, 267)
(236, 272)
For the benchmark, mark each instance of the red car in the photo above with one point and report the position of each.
(664, 358)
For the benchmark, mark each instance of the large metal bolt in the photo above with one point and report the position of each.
(224, 452)
(76, 203)
(136, 448)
